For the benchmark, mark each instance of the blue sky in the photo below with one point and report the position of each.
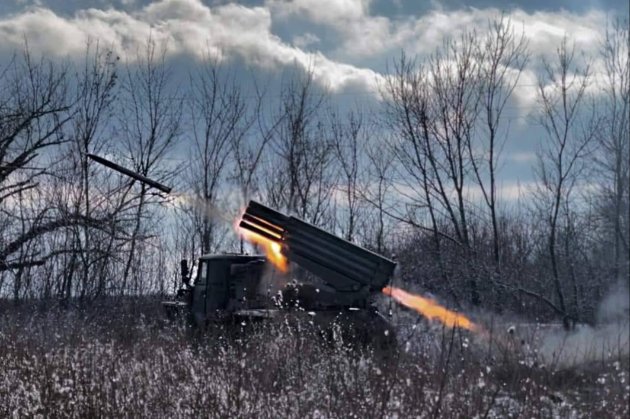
(348, 43)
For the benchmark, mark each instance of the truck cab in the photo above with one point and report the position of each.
(223, 284)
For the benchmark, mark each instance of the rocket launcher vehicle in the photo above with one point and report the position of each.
(343, 266)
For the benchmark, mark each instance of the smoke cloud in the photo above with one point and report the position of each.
(609, 340)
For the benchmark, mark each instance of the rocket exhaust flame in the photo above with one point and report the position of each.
(431, 309)
(266, 235)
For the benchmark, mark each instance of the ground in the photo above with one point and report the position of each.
(126, 359)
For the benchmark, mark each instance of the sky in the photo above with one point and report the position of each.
(347, 43)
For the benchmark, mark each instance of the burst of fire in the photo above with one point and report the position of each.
(272, 249)
(430, 309)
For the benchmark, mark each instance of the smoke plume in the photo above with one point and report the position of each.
(608, 340)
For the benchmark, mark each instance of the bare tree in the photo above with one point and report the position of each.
(502, 56)
(569, 126)
(434, 110)
(94, 82)
(219, 118)
(34, 106)
(614, 142)
(149, 125)
(377, 194)
(249, 150)
(455, 92)
(407, 115)
(347, 136)
(300, 179)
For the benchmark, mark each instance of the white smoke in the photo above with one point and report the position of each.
(616, 305)
(608, 340)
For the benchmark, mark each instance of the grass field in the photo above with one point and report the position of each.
(123, 359)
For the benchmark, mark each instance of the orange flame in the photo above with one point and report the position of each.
(430, 309)
(272, 249)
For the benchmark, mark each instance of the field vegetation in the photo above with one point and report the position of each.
(123, 359)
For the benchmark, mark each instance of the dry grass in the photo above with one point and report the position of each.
(124, 360)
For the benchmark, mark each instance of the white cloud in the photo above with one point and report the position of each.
(527, 157)
(361, 33)
(544, 32)
(188, 26)
(227, 30)
(508, 191)
(515, 191)
(322, 11)
(306, 40)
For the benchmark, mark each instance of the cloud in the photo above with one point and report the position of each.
(511, 191)
(360, 33)
(322, 11)
(363, 37)
(507, 192)
(363, 41)
(187, 26)
(304, 41)
(543, 31)
(363, 33)
(527, 157)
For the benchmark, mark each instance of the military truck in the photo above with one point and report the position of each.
(329, 280)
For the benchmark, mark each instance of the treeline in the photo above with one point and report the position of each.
(415, 178)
